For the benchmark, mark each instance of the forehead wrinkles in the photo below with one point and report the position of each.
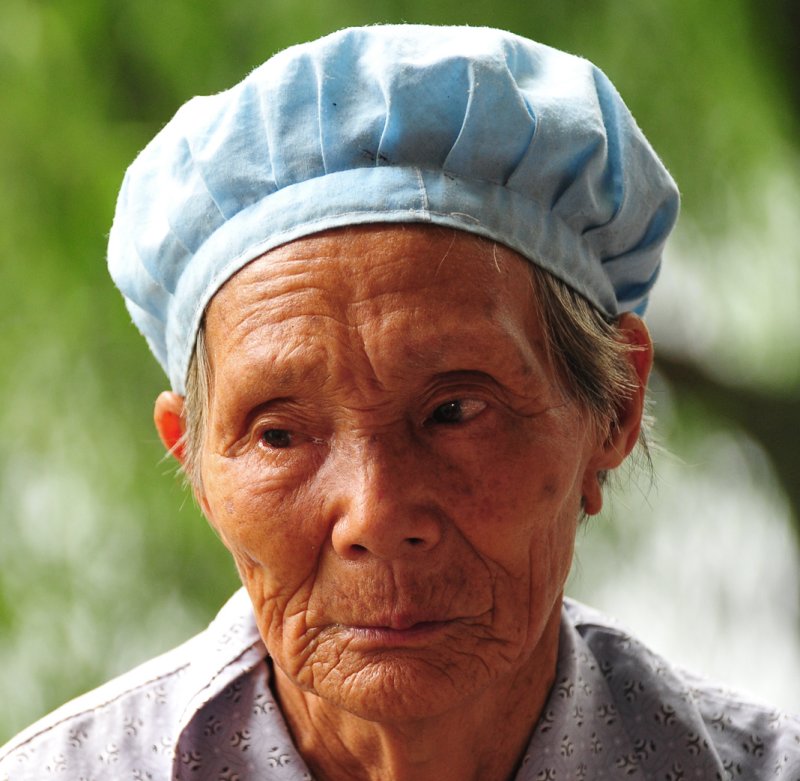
(272, 293)
(367, 279)
(357, 262)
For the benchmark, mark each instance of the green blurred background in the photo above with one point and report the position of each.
(104, 559)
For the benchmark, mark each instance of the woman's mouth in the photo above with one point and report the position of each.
(402, 635)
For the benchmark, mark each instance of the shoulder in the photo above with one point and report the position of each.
(132, 716)
(130, 725)
(653, 697)
(747, 735)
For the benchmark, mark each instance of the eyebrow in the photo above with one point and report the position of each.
(285, 379)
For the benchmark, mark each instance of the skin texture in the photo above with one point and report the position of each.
(399, 476)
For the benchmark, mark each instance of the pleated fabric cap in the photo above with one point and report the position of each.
(472, 128)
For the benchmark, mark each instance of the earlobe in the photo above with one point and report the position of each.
(592, 496)
(168, 417)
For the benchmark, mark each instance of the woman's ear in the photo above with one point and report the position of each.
(168, 417)
(624, 433)
(171, 427)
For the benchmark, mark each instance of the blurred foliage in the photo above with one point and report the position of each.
(104, 560)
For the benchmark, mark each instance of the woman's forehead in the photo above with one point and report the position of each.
(366, 269)
(420, 295)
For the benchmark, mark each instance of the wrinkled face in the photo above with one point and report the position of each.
(392, 464)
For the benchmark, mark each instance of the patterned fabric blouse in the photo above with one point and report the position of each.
(205, 712)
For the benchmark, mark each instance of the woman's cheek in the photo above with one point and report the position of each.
(260, 522)
(278, 580)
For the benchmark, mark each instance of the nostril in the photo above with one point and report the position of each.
(357, 548)
(415, 541)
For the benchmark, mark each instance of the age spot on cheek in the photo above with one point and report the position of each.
(549, 488)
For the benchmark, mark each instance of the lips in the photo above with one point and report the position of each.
(397, 634)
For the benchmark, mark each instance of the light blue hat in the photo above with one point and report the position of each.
(472, 128)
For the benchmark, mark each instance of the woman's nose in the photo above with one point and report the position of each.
(386, 506)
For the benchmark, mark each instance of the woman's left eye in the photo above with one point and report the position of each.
(457, 411)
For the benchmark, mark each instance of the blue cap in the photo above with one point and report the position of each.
(472, 128)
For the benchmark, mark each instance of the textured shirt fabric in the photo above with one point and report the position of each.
(205, 712)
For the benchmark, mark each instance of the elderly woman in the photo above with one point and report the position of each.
(394, 278)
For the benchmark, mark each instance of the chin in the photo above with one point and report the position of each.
(401, 690)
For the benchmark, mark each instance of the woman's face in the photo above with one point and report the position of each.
(393, 465)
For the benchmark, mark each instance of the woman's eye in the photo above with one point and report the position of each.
(457, 411)
(276, 438)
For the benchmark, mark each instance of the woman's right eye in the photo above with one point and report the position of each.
(276, 438)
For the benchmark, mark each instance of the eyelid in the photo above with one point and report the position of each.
(267, 418)
(462, 386)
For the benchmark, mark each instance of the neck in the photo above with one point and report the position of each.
(463, 742)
